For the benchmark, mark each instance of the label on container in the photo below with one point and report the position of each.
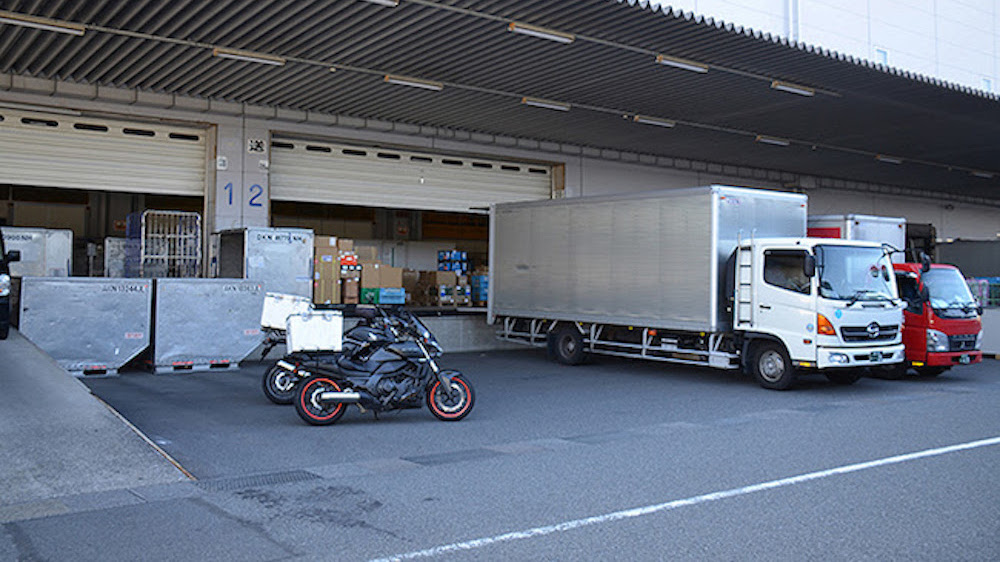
(251, 332)
(134, 336)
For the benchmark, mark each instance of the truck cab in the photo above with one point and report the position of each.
(942, 325)
(832, 303)
(6, 258)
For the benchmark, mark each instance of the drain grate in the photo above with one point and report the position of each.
(256, 481)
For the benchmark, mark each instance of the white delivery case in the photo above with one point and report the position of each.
(279, 306)
(315, 331)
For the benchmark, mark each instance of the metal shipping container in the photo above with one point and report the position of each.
(88, 325)
(280, 258)
(200, 324)
(653, 259)
(45, 252)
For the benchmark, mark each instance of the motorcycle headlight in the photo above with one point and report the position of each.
(4, 284)
(937, 341)
(979, 340)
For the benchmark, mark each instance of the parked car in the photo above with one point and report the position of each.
(6, 258)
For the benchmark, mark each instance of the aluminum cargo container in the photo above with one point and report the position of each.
(201, 324)
(45, 252)
(653, 259)
(280, 258)
(884, 230)
(89, 325)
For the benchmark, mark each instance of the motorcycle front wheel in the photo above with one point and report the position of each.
(451, 404)
(308, 405)
(279, 385)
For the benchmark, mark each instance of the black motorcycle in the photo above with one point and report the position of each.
(395, 370)
(281, 378)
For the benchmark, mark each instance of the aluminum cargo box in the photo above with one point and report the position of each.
(88, 325)
(654, 259)
(45, 252)
(201, 324)
(884, 230)
(280, 258)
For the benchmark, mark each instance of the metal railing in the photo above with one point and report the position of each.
(163, 244)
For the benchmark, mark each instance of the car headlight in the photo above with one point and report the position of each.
(979, 341)
(937, 341)
(4, 284)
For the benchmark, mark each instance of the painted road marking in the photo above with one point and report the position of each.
(676, 504)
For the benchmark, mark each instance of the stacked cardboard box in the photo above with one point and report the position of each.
(381, 284)
(336, 272)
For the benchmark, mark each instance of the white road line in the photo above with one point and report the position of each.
(675, 504)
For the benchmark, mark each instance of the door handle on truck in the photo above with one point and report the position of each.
(765, 307)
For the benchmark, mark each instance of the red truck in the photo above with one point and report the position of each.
(941, 323)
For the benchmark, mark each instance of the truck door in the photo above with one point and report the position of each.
(786, 302)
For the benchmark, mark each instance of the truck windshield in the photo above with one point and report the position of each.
(854, 274)
(948, 290)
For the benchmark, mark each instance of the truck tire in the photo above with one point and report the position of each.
(844, 378)
(771, 367)
(566, 344)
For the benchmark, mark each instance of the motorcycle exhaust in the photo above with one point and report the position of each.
(348, 397)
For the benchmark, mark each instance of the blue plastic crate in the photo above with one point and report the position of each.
(392, 296)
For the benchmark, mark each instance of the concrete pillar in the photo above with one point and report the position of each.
(242, 195)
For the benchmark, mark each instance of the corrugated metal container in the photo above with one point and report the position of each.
(200, 324)
(88, 325)
(653, 259)
(884, 230)
(280, 258)
(45, 252)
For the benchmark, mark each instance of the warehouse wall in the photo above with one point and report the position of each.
(588, 171)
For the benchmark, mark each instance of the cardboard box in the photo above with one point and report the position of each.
(438, 278)
(390, 277)
(345, 244)
(366, 253)
(371, 275)
(348, 258)
(351, 289)
(350, 271)
(325, 242)
(326, 276)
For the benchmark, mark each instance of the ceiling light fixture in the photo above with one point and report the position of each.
(888, 159)
(772, 140)
(390, 3)
(541, 32)
(46, 24)
(414, 82)
(984, 175)
(683, 64)
(247, 56)
(647, 120)
(793, 88)
(546, 104)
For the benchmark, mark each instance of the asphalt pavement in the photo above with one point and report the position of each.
(614, 459)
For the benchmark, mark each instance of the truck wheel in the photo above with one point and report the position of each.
(566, 344)
(772, 368)
(844, 378)
(930, 371)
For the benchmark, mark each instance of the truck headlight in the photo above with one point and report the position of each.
(4, 284)
(839, 358)
(979, 341)
(937, 341)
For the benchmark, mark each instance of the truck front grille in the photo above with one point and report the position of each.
(963, 342)
(869, 333)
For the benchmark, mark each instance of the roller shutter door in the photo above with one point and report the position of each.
(321, 172)
(101, 154)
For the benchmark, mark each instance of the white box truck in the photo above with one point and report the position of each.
(887, 230)
(718, 276)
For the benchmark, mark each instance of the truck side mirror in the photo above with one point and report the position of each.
(13, 256)
(925, 262)
(809, 266)
(924, 294)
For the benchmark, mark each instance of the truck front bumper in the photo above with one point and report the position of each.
(839, 357)
(952, 359)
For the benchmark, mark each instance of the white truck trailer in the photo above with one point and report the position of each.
(886, 230)
(717, 276)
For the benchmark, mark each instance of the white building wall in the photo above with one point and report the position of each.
(953, 40)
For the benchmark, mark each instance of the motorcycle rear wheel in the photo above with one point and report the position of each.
(279, 385)
(454, 405)
(307, 403)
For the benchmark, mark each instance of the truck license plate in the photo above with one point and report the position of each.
(965, 359)
(876, 356)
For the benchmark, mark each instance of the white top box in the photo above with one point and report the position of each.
(278, 307)
(315, 331)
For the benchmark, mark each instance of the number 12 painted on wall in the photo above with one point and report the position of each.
(256, 191)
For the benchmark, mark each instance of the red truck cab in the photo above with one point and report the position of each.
(942, 327)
